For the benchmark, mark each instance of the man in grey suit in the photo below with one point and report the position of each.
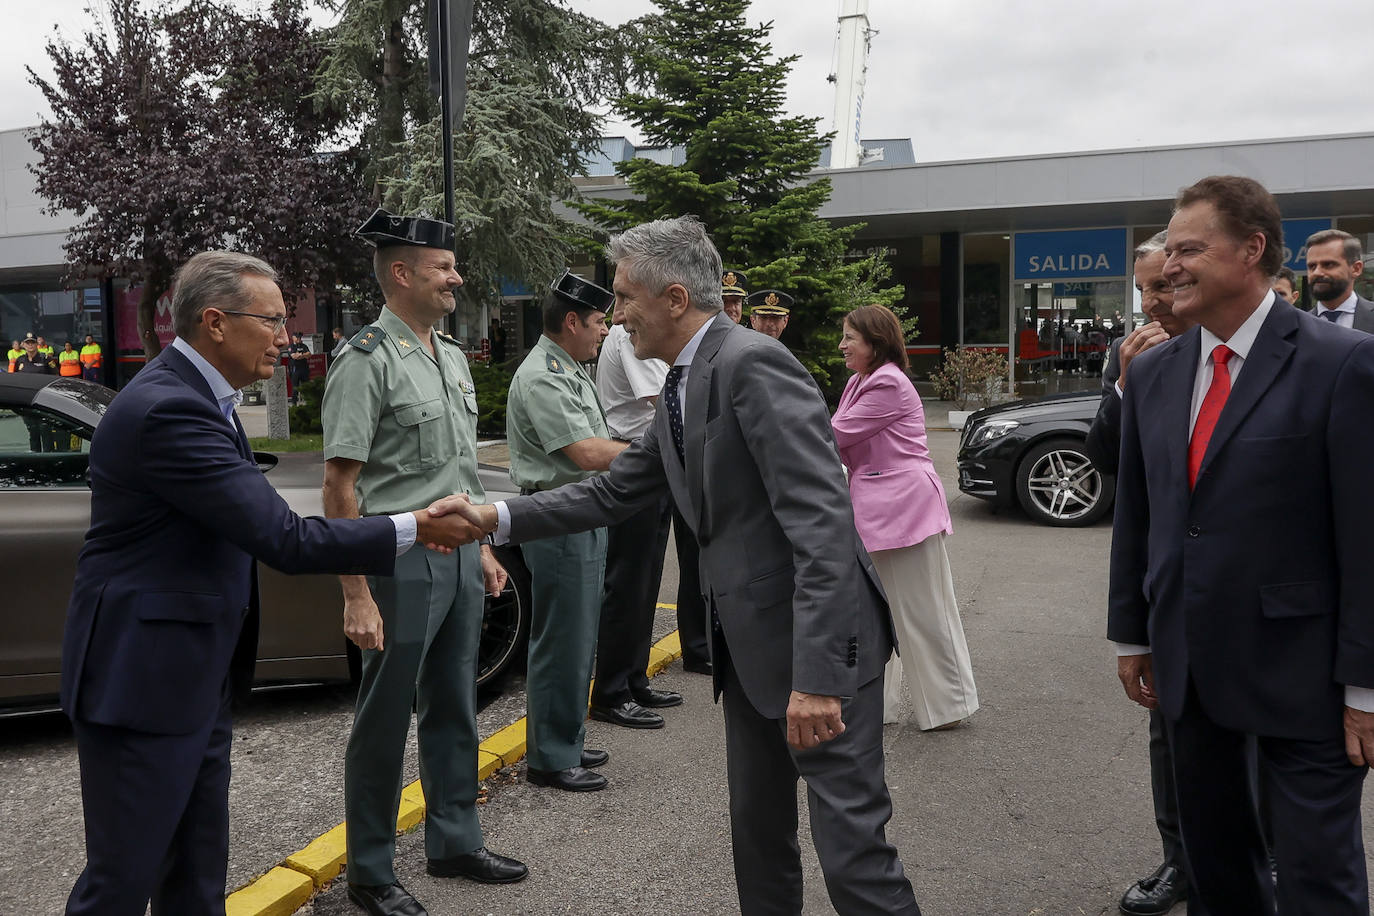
(1334, 261)
(801, 629)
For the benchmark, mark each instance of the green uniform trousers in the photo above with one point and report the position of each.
(431, 623)
(566, 574)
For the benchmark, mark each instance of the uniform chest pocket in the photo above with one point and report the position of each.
(470, 401)
(423, 431)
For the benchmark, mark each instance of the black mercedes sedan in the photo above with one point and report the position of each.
(1031, 453)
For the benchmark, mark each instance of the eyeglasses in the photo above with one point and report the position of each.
(275, 322)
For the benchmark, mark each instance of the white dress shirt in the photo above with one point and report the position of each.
(1345, 316)
(1240, 344)
(227, 397)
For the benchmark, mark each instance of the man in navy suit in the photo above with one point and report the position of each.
(163, 620)
(1242, 596)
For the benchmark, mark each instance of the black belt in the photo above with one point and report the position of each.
(526, 491)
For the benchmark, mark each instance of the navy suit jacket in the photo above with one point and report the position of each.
(164, 605)
(1258, 584)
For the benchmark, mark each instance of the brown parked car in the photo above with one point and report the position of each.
(46, 424)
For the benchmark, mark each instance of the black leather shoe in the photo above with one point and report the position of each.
(1157, 894)
(593, 758)
(573, 779)
(701, 667)
(629, 714)
(479, 865)
(385, 900)
(650, 698)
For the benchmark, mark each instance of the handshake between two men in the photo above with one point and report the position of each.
(454, 521)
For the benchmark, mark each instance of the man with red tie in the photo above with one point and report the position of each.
(1242, 599)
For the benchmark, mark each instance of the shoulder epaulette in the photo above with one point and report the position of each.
(367, 339)
(554, 364)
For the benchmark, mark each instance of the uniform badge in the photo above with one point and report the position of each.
(771, 299)
(466, 387)
(403, 342)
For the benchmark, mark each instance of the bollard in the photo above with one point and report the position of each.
(278, 418)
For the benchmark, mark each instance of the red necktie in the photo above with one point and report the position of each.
(1210, 412)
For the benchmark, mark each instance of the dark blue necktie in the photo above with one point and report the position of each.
(1332, 316)
(670, 397)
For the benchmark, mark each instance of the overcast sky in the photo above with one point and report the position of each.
(974, 78)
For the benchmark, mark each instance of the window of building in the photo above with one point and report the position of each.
(985, 308)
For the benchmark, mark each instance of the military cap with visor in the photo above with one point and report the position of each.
(770, 302)
(732, 283)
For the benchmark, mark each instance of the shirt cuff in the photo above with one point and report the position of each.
(502, 533)
(1128, 648)
(1361, 698)
(1116, 386)
(406, 530)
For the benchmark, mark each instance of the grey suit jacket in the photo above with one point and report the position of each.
(799, 603)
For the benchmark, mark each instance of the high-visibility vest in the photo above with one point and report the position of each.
(46, 351)
(69, 363)
(90, 356)
(13, 355)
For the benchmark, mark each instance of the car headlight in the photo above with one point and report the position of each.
(991, 431)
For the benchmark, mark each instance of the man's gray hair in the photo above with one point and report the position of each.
(213, 279)
(1152, 244)
(668, 251)
(1352, 249)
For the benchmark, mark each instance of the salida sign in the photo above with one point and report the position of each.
(1072, 253)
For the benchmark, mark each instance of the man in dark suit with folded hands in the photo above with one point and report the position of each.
(1242, 596)
(163, 621)
(801, 628)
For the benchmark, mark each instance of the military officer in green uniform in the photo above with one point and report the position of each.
(557, 434)
(400, 424)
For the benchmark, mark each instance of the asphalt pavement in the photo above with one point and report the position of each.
(1040, 805)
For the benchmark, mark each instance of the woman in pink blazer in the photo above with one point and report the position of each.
(902, 516)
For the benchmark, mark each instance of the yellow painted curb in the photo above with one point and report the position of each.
(288, 886)
(487, 764)
(508, 743)
(280, 892)
(323, 859)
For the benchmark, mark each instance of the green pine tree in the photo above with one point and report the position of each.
(714, 89)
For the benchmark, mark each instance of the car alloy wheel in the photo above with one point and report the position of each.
(1058, 485)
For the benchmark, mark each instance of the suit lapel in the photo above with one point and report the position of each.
(1364, 315)
(1272, 350)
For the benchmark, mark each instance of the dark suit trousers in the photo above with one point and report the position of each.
(157, 820)
(634, 569)
(847, 798)
(1165, 793)
(1314, 795)
(691, 607)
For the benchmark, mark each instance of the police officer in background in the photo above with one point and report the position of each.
(557, 433)
(32, 358)
(769, 310)
(42, 436)
(400, 424)
(732, 293)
